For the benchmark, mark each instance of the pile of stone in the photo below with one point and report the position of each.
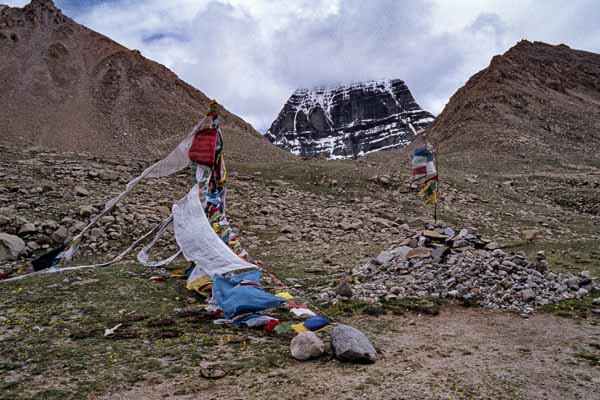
(443, 263)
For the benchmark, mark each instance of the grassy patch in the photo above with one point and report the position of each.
(53, 343)
(573, 307)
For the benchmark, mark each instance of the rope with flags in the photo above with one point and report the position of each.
(424, 171)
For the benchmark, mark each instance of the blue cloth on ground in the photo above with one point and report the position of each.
(253, 276)
(316, 323)
(235, 299)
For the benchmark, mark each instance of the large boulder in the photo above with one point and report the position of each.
(350, 344)
(306, 345)
(11, 247)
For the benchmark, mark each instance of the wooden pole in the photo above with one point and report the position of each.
(437, 186)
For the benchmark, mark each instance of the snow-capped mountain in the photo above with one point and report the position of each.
(349, 120)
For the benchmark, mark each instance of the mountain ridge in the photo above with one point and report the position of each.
(67, 87)
(534, 102)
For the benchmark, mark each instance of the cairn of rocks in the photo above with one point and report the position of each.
(443, 263)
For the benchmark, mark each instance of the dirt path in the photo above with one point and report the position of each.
(462, 353)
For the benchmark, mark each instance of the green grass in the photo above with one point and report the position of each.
(574, 307)
(54, 331)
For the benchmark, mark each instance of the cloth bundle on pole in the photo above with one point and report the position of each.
(423, 164)
(197, 239)
(424, 169)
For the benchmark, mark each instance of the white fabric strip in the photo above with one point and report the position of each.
(199, 242)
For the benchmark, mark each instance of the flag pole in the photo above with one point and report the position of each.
(437, 187)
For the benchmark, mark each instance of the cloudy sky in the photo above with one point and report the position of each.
(252, 54)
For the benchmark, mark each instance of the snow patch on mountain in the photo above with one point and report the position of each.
(349, 120)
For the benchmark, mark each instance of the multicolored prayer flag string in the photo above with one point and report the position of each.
(429, 191)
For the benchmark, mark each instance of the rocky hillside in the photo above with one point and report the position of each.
(67, 87)
(536, 104)
(349, 120)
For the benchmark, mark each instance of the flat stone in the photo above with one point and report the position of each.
(596, 301)
(419, 252)
(350, 344)
(434, 235)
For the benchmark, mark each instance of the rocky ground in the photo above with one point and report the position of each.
(316, 224)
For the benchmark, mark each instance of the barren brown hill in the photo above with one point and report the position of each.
(67, 87)
(537, 103)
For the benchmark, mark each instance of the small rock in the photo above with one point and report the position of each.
(440, 253)
(27, 229)
(385, 179)
(492, 246)
(107, 219)
(344, 289)
(527, 295)
(384, 258)
(350, 344)
(306, 345)
(81, 191)
(596, 301)
(401, 251)
(60, 235)
(531, 234)
(460, 243)
(86, 211)
(498, 253)
(287, 229)
(164, 211)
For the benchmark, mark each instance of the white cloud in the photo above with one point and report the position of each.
(252, 54)
(14, 3)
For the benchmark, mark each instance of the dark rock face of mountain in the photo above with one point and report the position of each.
(349, 120)
(65, 86)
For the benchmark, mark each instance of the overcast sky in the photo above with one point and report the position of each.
(252, 54)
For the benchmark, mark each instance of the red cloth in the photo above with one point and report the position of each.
(271, 325)
(203, 147)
